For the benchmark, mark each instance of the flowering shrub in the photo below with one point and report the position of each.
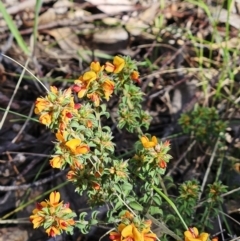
(86, 148)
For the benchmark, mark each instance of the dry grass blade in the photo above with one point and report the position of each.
(13, 95)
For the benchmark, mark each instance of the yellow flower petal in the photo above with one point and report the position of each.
(121, 226)
(56, 162)
(59, 136)
(119, 64)
(89, 76)
(203, 236)
(96, 67)
(127, 231)
(52, 231)
(45, 119)
(82, 149)
(191, 235)
(82, 92)
(36, 220)
(70, 175)
(43, 204)
(108, 87)
(144, 140)
(40, 105)
(135, 76)
(136, 234)
(94, 98)
(147, 143)
(54, 198)
(154, 140)
(150, 237)
(109, 67)
(73, 144)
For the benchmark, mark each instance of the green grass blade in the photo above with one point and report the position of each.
(37, 10)
(13, 29)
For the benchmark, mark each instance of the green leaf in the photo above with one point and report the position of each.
(157, 199)
(117, 188)
(155, 210)
(93, 222)
(127, 186)
(118, 205)
(136, 206)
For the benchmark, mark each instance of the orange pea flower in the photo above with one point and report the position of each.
(76, 147)
(117, 66)
(53, 231)
(36, 220)
(147, 143)
(80, 87)
(135, 76)
(57, 161)
(71, 175)
(63, 224)
(54, 215)
(45, 119)
(96, 67)
(41, 104)
(131, 233)
(108, 87)
(89, 76)
(96, 186)
(89, 124)
(109, 67)
(94, 97)
(162, 164)
(192, 234)
(54, 199)
(38, 216)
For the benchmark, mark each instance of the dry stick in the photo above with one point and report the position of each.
(108, 232)
(24, 125)
(34, 184)
(230, 192)
(181, 157)
(237, 238)
(11, 221)
(220, 226)
(25, 153)
(5, 198)
(228, 216)
(208, 169)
